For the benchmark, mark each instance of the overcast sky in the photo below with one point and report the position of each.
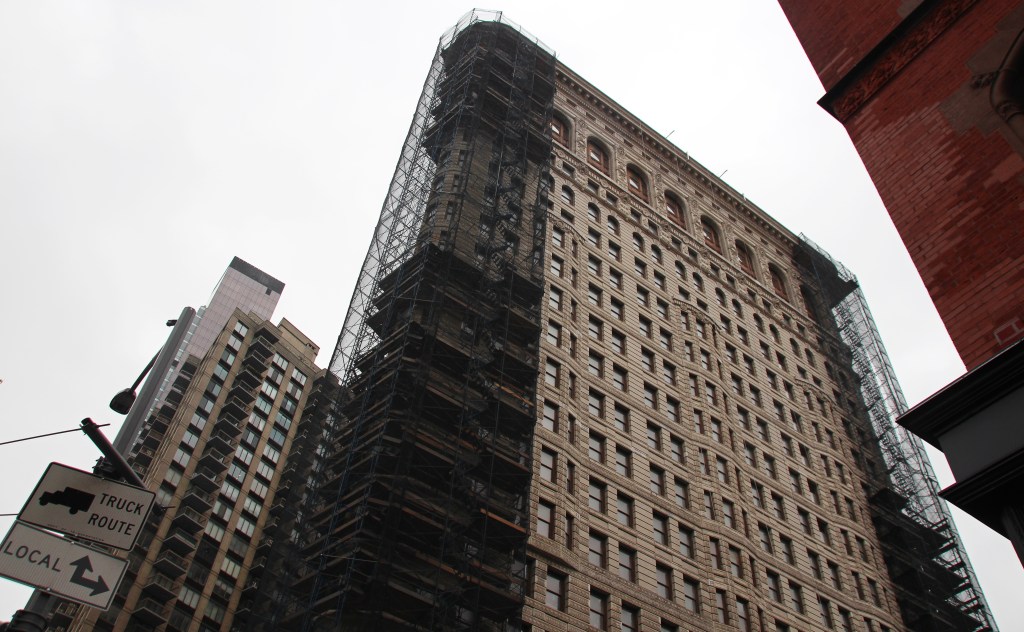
(143, 144)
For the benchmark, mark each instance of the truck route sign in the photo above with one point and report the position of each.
(89, 507)
(59, 566)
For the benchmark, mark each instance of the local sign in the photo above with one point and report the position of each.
(87, 506)
(59, 566)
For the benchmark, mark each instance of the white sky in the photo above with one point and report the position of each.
(143, 144)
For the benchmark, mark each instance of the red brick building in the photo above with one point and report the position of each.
(932, 95)
(928, 94)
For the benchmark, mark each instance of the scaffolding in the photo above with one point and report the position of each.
(936, 585)
(421, 512)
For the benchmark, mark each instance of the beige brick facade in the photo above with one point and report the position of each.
(692, 394)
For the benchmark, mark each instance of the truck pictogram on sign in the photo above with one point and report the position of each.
(74, 499)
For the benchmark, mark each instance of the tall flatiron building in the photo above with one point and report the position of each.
(585, 384)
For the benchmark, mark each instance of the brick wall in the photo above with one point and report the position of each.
(950, 171)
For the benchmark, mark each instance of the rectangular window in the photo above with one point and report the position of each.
(623, 462)
(555, 590)
(660, 523)
(815, 561)
(786, 545)
(617, 309)
(735, 562)
(728, 514)
(710, 394)
(552, 371)
(766, 538)
(618, 342)
(778, 504)
(721, 607)
(596, 448)
(548, 460)
(678, 449)
(624, 509)
(598, 610)
(630, 618)
(672, 410)
(833, 573)
(596, 496)
(598, 550)
(663, 575)
(550, 420)
(555, 299)
(595, 404)
(774, 587)
(682, 489)
(620, 378)
(621, 418)
(757, 494)
(796, 597)
(657, 479)
(627, 563)
(743, 615)
(650, 395)
(556, 266)
(691, 594)
(668, 373)
(545, 519)
(653, 437)
(722, 469)
(709, 505)
(686, 541)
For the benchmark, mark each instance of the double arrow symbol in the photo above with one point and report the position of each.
(82, 566)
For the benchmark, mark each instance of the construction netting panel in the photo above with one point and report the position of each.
(421, 513)
(906, 461)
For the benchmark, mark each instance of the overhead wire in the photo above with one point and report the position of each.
(49, 434)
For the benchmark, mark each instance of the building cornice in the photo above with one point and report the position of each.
(890, 56)
(985, 494)
(969, 394)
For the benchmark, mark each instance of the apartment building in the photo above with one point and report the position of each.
(214, 452)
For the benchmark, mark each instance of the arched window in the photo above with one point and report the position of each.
(637, 183)
(778, 283)
(560, 129)
(710, 235)
(674, 209)
(613, 225)
(744, 258)
(567, 195)
(597, 156)
(638, 242)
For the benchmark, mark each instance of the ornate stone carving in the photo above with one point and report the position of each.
(892, 55)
